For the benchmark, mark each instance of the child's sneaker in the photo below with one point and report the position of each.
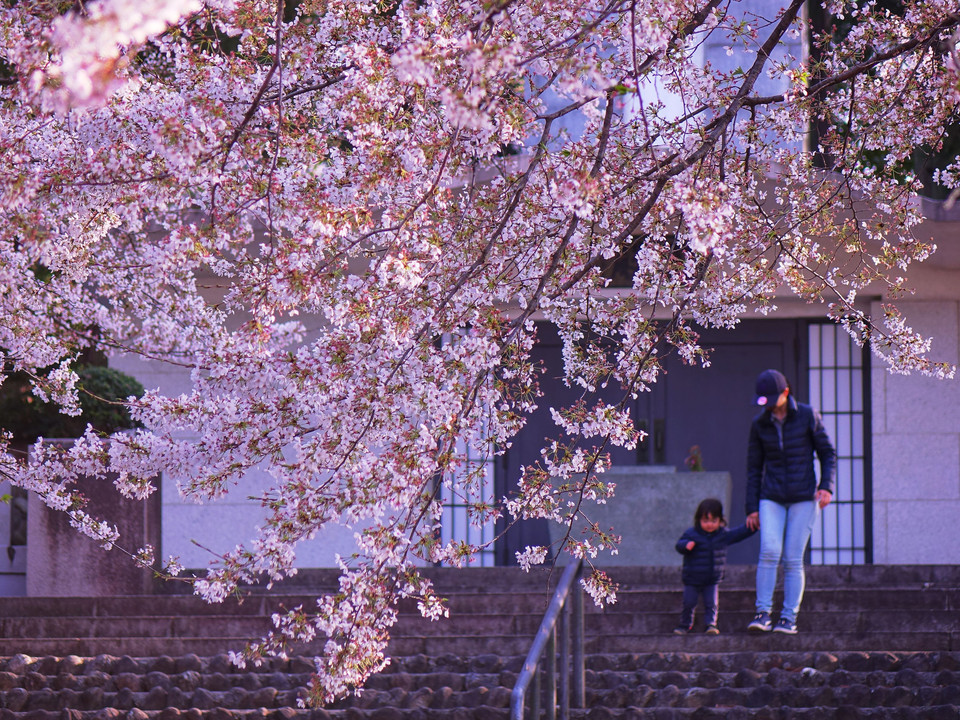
(785, 626)
(761, 622)
(681, 630)
(712, 630)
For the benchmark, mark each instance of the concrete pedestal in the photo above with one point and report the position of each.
(63, 563)
(650, 509)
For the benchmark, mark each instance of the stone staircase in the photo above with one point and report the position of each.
(874, 642)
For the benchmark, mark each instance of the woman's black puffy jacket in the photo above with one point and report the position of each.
(781, 468)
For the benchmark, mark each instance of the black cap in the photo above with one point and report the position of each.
(770, 384)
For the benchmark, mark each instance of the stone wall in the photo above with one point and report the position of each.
(916, 449)
(63, 563)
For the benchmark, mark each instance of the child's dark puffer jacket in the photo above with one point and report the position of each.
(704, 564)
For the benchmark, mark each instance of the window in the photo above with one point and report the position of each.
(472, 485)
(456, 523)
(838, 379)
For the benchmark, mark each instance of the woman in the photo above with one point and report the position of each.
(784, 498)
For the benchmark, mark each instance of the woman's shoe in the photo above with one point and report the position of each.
(785, 626)
(762, 622)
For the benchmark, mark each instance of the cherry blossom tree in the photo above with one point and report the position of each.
(342, 218)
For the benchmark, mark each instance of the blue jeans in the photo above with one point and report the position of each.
(784, 533)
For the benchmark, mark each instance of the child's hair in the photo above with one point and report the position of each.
(710, 506)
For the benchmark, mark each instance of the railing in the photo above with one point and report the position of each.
(571, 674)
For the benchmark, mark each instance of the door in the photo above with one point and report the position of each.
(713, 407)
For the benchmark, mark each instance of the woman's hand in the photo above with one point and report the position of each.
(753, 521)
(823, 498)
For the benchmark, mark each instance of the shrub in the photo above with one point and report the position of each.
(27, 417)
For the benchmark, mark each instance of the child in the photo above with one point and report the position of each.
(704, 550)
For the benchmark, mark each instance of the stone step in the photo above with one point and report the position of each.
(461, 601)
(628, 624)
(507, 579)
(725, 642)
(464, 605)
(772, 695)
(771, 642)
(491, 713)
(177, 635)
(946, 597)
(815, 598)
(732, 640)
(715, 670)
(845, 614)
(206, 646)
(841, 620)
(933, 624)
(923, 662)
(744, 576)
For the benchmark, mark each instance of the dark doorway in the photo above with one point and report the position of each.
(708, 407)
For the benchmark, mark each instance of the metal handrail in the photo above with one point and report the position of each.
(545, 639)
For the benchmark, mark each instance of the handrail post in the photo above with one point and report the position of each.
(577, 670)
(535, 702)
(564, 679)
(550, 675)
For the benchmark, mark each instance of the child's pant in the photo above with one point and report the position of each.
(691, 595)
